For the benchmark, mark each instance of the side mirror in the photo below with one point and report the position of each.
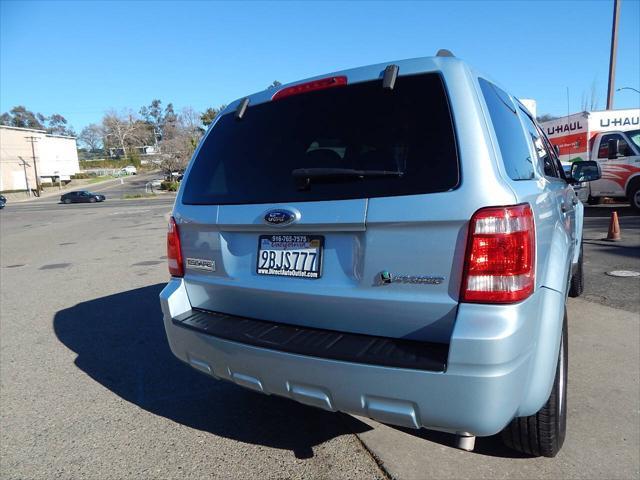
(613, 148)
(586, 171)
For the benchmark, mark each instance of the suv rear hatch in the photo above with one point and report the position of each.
(353, 178)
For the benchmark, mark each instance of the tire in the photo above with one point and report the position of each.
(593, 200)
(634, 197)
(543, 433)
(67, 201)
(576, 286)
(92, 200)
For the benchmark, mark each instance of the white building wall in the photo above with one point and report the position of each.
(14, 147)
(58, 157)
(53, 154)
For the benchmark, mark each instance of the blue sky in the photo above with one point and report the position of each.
(80, 59)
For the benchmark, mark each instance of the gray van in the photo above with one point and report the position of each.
(395, 241)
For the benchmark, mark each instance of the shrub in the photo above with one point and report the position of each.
(169, 186)
(79, 176)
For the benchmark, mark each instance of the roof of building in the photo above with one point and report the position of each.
(35, 130)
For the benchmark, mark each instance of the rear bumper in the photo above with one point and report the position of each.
(496, 368)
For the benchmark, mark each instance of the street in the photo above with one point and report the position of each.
(90, 388)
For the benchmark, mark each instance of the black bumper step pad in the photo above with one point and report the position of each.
(315, 342)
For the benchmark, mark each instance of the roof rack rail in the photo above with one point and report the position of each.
(443, 52)
(390, 75)
(242, 107)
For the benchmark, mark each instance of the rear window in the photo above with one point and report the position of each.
(401, 140)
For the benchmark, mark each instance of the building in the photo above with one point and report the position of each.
(56, 158)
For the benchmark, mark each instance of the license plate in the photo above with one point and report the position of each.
(290, 255)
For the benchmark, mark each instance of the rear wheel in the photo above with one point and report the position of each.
(634, 196)
(576, 287)
(543, 433)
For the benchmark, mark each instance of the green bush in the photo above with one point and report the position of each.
(79, 176)
(138, 195)
(12, 191)
(169, 186)
(84, 164)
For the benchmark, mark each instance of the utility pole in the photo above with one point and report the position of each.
(614, 49)
(26, 177)
(33, 140)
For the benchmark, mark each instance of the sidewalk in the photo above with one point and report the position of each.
(603, 419)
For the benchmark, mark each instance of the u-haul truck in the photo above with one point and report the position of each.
(611, 137)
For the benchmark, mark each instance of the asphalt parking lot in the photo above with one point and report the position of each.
(89, 387)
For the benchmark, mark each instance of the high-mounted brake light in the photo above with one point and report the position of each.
(312, 86)
(174, 251)
(500, 261)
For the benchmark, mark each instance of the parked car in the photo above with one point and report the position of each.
(82, 197)
(174, 177)
(156, 182)
(3, 201)
(129, 170)
(403, 253)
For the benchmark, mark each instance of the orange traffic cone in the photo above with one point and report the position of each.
(614, 228)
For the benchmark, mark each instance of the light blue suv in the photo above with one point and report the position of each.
(395, 241)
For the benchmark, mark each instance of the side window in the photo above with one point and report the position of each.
(623, 147)
(512, 142)
(552, 153)
(544, 153)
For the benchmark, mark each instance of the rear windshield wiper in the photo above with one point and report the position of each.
(313, 173)
(305, 176)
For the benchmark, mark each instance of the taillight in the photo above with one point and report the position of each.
(310, 87)
(500, 261)
(174, 252)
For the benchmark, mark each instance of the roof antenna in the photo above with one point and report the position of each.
(443, 52)
(390, 75)
(242, 107)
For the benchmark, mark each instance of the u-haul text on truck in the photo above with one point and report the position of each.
(611, 137)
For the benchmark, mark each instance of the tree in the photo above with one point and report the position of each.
(182, 133)
(57, 125)
(590, 101)
(152, 114)
(91, 136)
(176, 152)
(191, 121)
(122, 130)
(545, 117)
(209, 115)
(274, 84)
(20, 117)
(160, 121)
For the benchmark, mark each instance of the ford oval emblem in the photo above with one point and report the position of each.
(280, 217)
